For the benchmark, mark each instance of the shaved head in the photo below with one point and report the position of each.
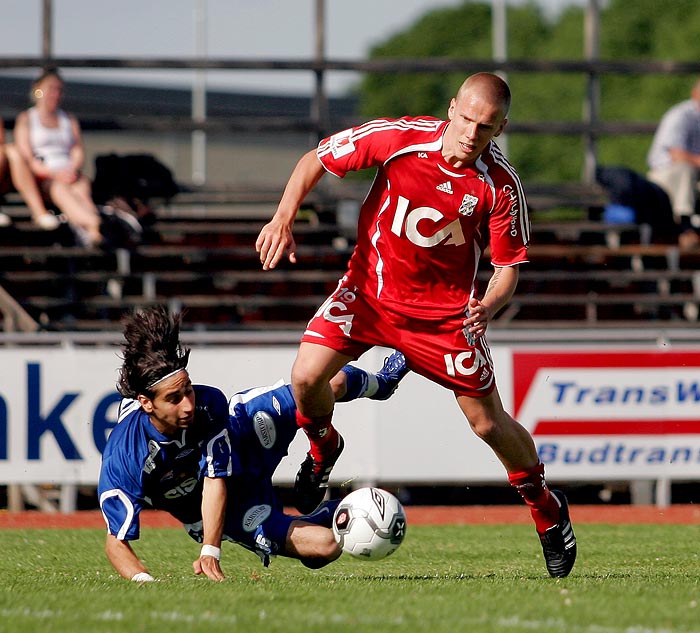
(489, 86)
(477, 114)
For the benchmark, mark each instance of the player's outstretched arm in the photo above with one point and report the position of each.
(125, 561)
(276, 237)
(213, 515)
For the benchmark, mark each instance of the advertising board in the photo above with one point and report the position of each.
(611, 414)
(597, 414)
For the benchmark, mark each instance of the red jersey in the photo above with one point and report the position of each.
(422, 227)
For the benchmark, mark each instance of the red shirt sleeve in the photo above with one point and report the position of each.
(509, 223)
(373, 143)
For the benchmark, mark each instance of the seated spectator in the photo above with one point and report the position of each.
(50, 141)
(674, 163)
(15, 175)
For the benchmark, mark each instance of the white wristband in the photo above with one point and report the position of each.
(211, 550)
(142, 576)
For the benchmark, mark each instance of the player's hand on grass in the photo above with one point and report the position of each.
(274, 241)
(209, 566)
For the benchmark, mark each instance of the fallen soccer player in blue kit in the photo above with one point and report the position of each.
(184, 449)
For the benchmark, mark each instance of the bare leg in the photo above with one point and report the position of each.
(339, 385)
(77, 207)
(314, 545)
(25, 183)
(511, 442)
(312, 372)
(515, 448)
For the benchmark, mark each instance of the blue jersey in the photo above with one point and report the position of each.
(142, 468)
(243, 441)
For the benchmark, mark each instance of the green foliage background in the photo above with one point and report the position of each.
(640, 30)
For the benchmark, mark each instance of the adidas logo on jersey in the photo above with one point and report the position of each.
(445, 187)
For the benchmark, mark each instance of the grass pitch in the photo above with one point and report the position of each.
(628, 579)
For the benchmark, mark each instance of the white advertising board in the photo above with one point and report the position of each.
(596, 414)
(612, 414)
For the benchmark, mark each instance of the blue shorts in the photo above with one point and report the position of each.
(263, 425)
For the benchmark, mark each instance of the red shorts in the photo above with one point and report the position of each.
(438, 350)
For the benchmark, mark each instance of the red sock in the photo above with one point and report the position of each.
(321, 433)
(532, 487)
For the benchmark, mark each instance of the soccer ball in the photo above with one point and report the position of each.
(369, 523)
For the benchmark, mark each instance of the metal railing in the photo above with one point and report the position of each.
(592, 67)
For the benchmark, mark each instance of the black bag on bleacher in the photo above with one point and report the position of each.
(132, 177)
(650, 202)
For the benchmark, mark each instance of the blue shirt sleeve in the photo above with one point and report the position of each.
(218, 456)
(120, 487)
(120, 502)
(219, 451)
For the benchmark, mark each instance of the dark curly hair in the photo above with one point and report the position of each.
(151, 350)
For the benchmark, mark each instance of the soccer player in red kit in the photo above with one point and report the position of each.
(441, 187)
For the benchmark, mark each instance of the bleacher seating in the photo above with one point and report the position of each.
(201, 257)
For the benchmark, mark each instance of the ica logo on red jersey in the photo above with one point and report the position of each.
(416, 223)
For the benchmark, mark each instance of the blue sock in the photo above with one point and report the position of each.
(357, 383)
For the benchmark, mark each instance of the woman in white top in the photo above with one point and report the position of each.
(50, 141)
